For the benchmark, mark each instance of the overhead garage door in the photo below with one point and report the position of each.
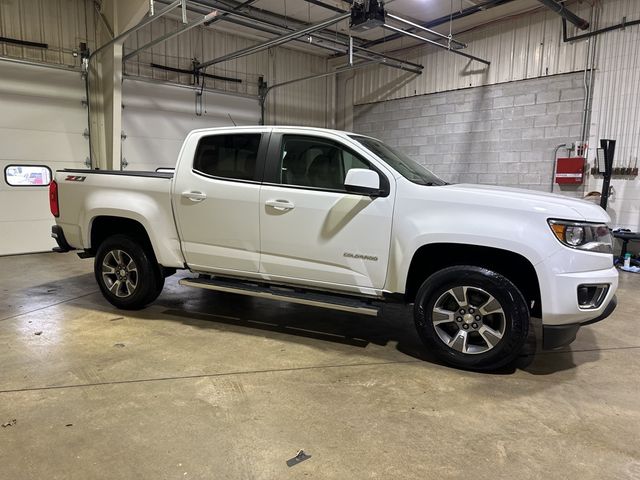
(157, 117)
(42, 122)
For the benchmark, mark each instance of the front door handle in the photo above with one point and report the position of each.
(194, 196)
(281, 205)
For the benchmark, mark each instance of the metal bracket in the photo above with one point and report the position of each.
(263, 91)
(184, 11)
(123, 135)
(124, 164)
(87, 162)
(84, 102)
(85, 134)
(152, 11)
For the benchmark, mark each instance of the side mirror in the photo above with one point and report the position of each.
(362, 181)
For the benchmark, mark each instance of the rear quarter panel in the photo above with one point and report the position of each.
(143, 199)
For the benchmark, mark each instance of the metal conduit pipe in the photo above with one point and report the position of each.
(139, 26)
(561, 10)
(206, 18)
(425, 29)
(275, 41)
(322, 75)
(265, 91)
(435, 44)
(40, 64)
(555, 162)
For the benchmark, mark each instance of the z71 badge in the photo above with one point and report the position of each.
(75, 178)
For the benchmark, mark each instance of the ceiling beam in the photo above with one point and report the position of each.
(321, 40)
(287, 37)
(436, 44)
(442, 20)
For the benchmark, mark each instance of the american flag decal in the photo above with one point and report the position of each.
(75, 178)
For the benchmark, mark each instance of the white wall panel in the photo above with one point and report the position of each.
(62, 24)
(616, 106)
(299, 104)
(42, 123)
(156, 118)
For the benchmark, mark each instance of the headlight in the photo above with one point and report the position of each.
(585, 236)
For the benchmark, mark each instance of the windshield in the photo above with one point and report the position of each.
(401, 163)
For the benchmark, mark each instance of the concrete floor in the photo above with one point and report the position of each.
(205, 385)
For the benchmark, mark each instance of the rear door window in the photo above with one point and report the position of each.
(231, 156)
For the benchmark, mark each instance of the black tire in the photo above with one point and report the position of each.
(145, 280)
(466, 347)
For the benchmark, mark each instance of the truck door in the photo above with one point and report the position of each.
(311, 230)
(215, 200)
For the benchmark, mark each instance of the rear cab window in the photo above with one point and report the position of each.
(228, 156)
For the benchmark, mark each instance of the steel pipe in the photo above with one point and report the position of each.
(183, 7)
(424, 29)
(568, 15)
(322, 75)
(265, 90)
(40, 64)
(104, 20)
(273, 19)
(139, 26)
(436, 44)
(210, 16)
(276, 41)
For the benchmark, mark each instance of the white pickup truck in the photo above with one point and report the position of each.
(342, 221)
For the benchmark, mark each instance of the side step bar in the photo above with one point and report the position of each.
(321, 300)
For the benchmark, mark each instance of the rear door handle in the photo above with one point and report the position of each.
(281, 205)
(194, 196)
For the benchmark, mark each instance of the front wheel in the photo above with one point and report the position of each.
(127, 273)
(472, 317)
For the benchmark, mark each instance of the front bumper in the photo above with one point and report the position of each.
(559, 290)
(556, 336)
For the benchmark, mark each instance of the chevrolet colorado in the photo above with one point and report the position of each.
(342, 221)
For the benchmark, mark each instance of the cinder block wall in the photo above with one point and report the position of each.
(502, 134)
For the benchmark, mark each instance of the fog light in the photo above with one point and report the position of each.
(592, 296)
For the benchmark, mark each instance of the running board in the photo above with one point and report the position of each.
(333, 302)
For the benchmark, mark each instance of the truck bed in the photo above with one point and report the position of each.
(144, 197)
(122, 173)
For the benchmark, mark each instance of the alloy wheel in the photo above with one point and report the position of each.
(120, 273)
(469, 319)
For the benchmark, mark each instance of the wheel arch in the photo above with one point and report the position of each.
(430, 258)
(102, 227)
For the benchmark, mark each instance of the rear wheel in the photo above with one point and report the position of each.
(127, 273)
(471, 317)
